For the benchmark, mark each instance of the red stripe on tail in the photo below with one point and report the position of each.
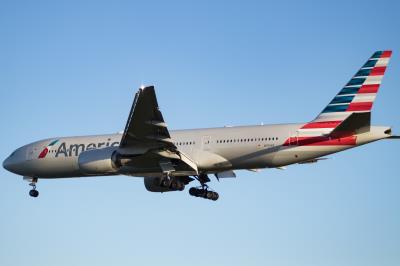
(373, 88)
(386, 54)
(324, 124)
(359, 106)
(378, 71)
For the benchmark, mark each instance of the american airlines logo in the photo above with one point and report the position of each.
(75, 149)
(44, 152)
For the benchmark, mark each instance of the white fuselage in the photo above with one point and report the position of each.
(213, 150)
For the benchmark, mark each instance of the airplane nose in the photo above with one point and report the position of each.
(7, 164)
(10, 165)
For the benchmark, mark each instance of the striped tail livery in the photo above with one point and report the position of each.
(350, 109)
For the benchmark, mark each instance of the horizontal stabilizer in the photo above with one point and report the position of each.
(356, 122)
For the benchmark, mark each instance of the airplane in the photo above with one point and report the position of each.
(168, 160)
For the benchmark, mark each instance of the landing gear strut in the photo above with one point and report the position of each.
(33, 192)
(203, 191)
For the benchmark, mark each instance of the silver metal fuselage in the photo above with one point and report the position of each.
(213, 150)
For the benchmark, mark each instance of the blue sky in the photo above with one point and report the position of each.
(72, 68)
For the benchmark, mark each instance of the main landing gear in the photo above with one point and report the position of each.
(33, 192)
(172, 183)
(203, 191)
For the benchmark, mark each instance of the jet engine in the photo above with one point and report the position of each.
(99, 161)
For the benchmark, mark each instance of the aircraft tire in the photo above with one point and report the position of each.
(193, 192)
(215, 196)
(210, 195)
(34, 193)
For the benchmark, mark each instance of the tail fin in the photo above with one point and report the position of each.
(355, 99)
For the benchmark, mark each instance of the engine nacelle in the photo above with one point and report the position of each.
(152, 184)
(99, 161)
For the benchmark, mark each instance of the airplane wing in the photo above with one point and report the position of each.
(146, 141)
(146, 124)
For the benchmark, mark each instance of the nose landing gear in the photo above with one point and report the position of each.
(33, 192)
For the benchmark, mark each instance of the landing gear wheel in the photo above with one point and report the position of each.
(181, 186)
(215, 196)
(203, 191)
(34, 193)
(193, 191)
(175, 185)
(210, 195)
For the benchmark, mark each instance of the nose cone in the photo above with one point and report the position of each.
(7, 164)
(13, 163)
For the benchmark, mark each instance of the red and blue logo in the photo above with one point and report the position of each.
(44, 152)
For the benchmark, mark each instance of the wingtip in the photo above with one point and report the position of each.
(145, 88)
